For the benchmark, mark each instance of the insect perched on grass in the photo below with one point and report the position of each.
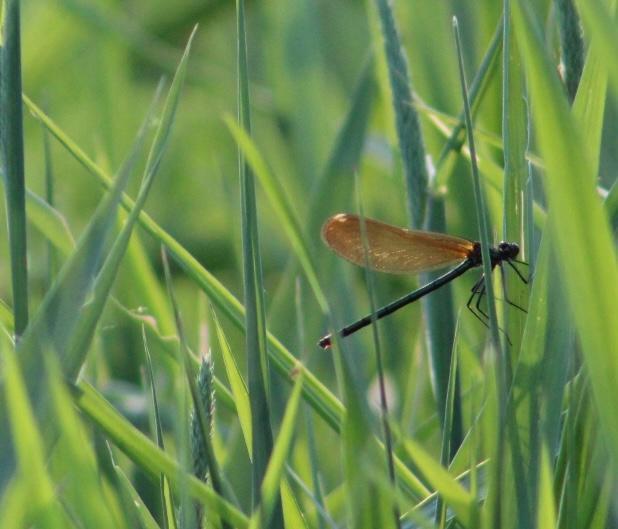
(387, 248)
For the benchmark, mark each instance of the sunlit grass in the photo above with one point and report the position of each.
(330, 102)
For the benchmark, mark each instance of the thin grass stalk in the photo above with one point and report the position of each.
(12, 157)
(476, 92)
(483, 226)
(52, 257)
(384, 414)
(164, 486)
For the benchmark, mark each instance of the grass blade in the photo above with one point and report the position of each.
(409, 131)
(258, 371)
(580, 228)
(12, 158)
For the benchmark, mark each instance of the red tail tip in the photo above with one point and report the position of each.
(325, 343)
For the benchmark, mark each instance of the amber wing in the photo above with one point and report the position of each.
(390, 248)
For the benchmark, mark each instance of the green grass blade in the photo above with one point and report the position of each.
(255, 338)
(142, 513)
(589, 104)
(237, 383)
(409, 131)
(571, 45)
(516, 174)
(546, 512)
(478, 88)
(282, 206)
(167, 503)
(599, 19)
(582, 238)
(49, 222)
(440, 333)
(453, 493)
(281, 448)
(12, 159)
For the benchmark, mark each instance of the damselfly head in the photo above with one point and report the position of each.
(508, 250)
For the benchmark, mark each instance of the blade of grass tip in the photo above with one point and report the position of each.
(408, 126)
(147, 455)
(253, 291)
(237, 383)
(165, 492)
(388, 441)
(59, 311)
(12, 157)
(477, 90)
(500, 359)
(90, 315)
(479, 199)
(204, 420)
(81, 340)
(135, 502)
(571, 46)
